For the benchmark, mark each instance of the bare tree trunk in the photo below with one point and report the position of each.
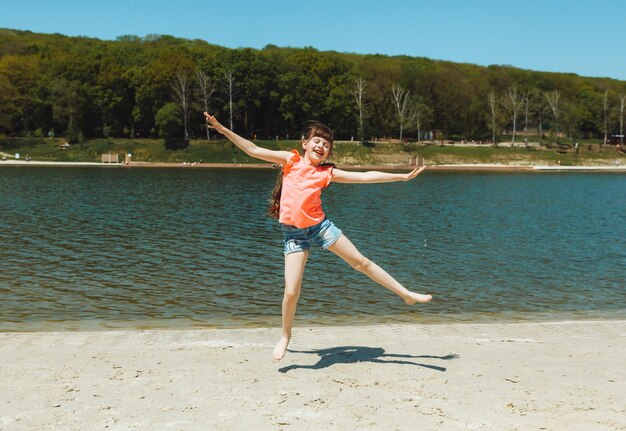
(513, 104)
(418, 124)
(622, 102)
(605, 106)
(540, 115)
(207, 90)
(526, 103)
(492, 105)
(401, 99)
(358, 92)
(180, 86)
(230, 82)
(553, 100)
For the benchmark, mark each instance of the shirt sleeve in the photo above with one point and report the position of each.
(295, 158)
(331, 172)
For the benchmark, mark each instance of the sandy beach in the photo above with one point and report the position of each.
(504, 376)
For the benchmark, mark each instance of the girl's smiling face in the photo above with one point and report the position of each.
(316, 149)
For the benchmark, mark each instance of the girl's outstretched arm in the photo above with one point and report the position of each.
(370, 177)
(246, 146)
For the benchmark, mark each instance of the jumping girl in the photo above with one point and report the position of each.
(297, 205)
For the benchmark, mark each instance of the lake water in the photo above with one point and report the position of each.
(100, 248)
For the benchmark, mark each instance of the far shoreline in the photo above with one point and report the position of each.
(444, 167)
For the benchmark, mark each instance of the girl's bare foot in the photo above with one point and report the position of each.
(413, 297)
(281, 349)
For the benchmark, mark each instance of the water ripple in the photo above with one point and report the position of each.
(194, 247)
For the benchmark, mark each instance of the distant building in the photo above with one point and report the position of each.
(110, 158)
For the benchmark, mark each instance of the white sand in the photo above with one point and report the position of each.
(531, 376)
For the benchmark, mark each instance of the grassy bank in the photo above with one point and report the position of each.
(221, 151)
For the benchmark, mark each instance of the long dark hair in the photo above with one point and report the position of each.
(311, 129)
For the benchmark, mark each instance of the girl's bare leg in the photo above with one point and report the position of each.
(348, 252)
(294, 269)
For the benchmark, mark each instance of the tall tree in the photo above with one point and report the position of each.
(539, 108)
(493, 102)
(622, 102)
(180, 87)
(229, 85)
(168, 120)
(67, 108)
(8, 94)
(526, 107)
(605, 110)
(21, 74)
(357, 92)
(454, 101)
(553, 101)
(569, 117)
(421, 115)
(207, 89)
(401, 103)
(513, 103)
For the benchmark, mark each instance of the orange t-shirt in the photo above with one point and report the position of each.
(301, 196)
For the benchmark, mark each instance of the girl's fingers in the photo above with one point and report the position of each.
(415, 172)
(210, 120)
(212, 123)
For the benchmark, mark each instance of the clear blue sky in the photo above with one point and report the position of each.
(581, 36)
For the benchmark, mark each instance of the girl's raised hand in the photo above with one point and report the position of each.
(212, 123)
(415, 172)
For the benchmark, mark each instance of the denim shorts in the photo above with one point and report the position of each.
(297, 239)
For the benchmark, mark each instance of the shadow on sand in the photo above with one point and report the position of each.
(353, 354)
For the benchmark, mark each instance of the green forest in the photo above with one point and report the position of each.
(157, 87)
